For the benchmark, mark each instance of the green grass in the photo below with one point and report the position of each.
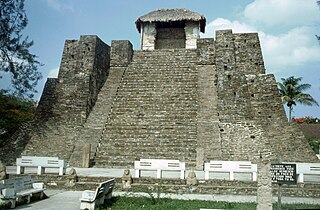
(146, 203)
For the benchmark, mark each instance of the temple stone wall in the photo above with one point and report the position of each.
(83, 71)
(153, 114)
(170, 38)
(92, 131)
(48, 99)
(70, 98)
(249, 106)
(148, 36)
(195, 105)
(233, 104)
(247, 53)
(209, 140)
(192, 34)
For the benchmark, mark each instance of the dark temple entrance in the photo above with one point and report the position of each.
(170, 35)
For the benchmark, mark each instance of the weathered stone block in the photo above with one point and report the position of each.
(121, 52)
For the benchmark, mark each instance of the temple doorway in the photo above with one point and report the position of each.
(170, 35)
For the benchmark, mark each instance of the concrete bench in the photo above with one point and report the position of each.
(41, 163)
(307, 169)
(92, 199)
(159, 165)
(20, 188)
(230, 167)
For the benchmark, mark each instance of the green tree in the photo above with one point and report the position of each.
(14, 111)
(292, 92)
(15, 58)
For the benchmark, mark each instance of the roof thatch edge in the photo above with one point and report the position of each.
(161, 15)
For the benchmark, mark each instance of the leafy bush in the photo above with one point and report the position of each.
(307, 119)
(314, 143)
(14, 111)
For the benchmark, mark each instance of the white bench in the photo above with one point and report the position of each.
(92, 199)
(307, 168)
(21, 187)
(41, 163)
(159, 165)
(230, 167)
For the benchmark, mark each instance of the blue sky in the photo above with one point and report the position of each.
(286, 29)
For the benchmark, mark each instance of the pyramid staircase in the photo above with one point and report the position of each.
(154, 112)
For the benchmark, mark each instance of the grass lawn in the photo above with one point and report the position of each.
(147, 203)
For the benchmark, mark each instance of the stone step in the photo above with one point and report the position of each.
(152, 149)
(144, 150)
(145, 154)
(126, 163)
(154, 113)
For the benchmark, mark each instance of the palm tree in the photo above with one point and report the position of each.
(292, 92)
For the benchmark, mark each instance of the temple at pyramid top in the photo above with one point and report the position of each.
(170, 29)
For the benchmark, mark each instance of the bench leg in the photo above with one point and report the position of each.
(28, 198)
(100, 201)
(41, 195)
(61, 171)
(108, 195)
(158, 173)
(300, 178)
(86, 205)
(13, 203)
(206, 175)
(231, 175)
(254, 176)
(182, 174)
(137, 173)
(20, 169)
(40, 170)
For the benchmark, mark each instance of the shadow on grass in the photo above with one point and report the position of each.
(110, 202)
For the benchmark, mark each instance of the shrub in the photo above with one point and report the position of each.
(307, 119)
(14, 111)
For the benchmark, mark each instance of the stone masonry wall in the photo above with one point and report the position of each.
(170, 38)
(192, 34)
(154, 112)
(249, 106)
(93, 129)
(208, 137)
(148, 36)
(213, 102)
(247, 53)
(83, 70)
(48, 99)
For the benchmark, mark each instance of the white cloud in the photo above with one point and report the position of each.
(281, 52)
(282, 12)
(294, 48)
(287, 31)
(53, 73)
(220, 24)
(60, 5)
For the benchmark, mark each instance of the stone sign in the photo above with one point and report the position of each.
(284, 173)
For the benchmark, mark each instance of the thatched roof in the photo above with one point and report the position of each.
(170, 15)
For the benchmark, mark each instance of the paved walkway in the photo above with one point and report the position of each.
(62, 200)
(69, 200)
